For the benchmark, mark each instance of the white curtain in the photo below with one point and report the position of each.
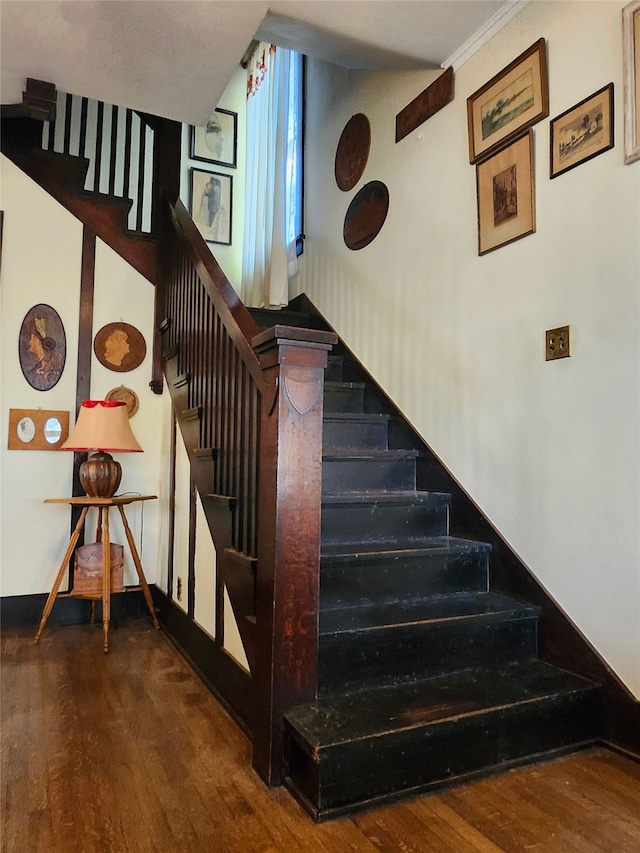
(269, 258)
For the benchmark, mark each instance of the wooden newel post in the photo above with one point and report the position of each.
(288, 573)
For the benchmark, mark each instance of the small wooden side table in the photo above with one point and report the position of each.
(103, 506)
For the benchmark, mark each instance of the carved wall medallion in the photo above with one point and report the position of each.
(366, 215)
(42, 347)
(352, 152)
(121, 394)
(120, 347)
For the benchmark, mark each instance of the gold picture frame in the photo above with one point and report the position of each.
(631, 61)
(506, 197)
(511, 102)
(582, 132)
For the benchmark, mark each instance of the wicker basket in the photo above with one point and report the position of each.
(87, 575)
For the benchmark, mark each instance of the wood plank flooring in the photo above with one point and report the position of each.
(129, 753)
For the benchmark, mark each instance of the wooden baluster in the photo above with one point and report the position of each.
(290, 483)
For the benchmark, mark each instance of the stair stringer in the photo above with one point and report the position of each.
(63, 177)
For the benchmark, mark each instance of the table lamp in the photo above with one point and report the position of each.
(103, 427)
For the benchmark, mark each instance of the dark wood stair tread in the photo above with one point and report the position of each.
(403, 496)
(460, 606)
(343, 719)
(430, 546)
(365, 454)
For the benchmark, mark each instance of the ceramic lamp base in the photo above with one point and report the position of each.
(100, 475)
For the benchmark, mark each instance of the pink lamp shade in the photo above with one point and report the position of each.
(102, 425)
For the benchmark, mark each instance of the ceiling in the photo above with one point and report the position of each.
(174, 58)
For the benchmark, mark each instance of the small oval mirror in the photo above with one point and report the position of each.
(52, 430)
(26, 430)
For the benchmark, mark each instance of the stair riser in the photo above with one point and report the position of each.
(370, 525)
(334, 369)
(354, 774)
(360, 659)
(351, 475)
(362, 582)
(369, 436)
(343, 399)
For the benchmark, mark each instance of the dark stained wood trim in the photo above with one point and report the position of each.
(85, 350)
(427, 104)
(172, 502)
(191, 576)
(26, 610)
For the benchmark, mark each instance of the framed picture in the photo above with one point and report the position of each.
(506, 199)
(631, 58)
(512, 101)
(217, 141)
(582, 132)
(211, 200)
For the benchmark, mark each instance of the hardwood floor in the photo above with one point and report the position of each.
(129, 752)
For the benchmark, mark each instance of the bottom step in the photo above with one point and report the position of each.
(350, 751)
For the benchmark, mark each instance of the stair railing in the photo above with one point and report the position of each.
(249, 404)
(119, 145)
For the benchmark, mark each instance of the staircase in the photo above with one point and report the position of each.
(428, 672)
(425, 675)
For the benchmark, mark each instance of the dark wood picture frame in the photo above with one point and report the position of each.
(631, 60)
(582, 132)
(523, 88)
(506, 195)
(217, 141)
(203, 187)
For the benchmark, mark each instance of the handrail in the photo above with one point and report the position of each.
(237, 320)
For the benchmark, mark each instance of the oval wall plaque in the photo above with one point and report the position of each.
(120, 347)
(365, 215)
(352, 152)
(42, 347)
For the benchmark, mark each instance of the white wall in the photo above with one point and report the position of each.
(235, 100)
(34, 535)
(550, 451)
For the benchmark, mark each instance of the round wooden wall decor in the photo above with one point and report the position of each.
(365, 215)
(42, 347)
(353, 151)
(126, 396)
(120, 347)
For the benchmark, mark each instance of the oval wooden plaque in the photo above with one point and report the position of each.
(42, 347)
(352, 152)
(120, 347)
(366, 215)
(126, 396)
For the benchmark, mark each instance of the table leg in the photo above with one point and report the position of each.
(138, 565)
(65, 561)
(106, 580)
(99, 528)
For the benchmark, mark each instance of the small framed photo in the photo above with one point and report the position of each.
(217, 141)
(511, 102)
(582, 132)
(631, 59)
(506, 199)
(211, 202)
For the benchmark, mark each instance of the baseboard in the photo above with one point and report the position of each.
(18, 611)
